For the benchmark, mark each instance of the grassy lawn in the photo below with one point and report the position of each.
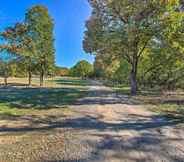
(71, 81)
(173, 112)
(17, 99)
(122, 89)
(167, 104)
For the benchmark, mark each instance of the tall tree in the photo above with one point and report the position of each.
(125, 28)
(40, 28)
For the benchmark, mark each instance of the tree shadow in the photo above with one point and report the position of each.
(70, 160)
(9, 85)
(173, 101)
(136, 123)
(106, 97)
(38, 98)
(143, 148)
(47, 98)
(149, 141)
(160, 97)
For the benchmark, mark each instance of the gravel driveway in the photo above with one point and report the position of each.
(103, 127)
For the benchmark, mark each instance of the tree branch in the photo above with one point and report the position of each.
(119, 15)
(144, 47)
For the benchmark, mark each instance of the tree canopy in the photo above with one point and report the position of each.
(40, 29)
(126, 29)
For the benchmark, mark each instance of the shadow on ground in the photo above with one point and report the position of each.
(47, 98)
(137, 123)
(151, 141)
(38, 98)
(148, 138)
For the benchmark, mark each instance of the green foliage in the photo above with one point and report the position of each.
(121, 75)
(40, 29)
(82, 69)
(129, 30)
(61, 71)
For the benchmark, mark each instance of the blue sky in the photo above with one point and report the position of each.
(69, 17)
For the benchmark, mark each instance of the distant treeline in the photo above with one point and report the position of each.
(18, 69)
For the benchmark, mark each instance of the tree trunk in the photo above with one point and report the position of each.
(133, 78)
(29, 72)
(5, 81)
(133, 81)
(41, 77)
(6, 77)
(29, 77)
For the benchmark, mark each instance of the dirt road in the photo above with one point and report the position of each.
(103, 127)
(121, 130)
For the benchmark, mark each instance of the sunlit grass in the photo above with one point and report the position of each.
(171, 111)
(20, 100)
(167, 104)
(7, 111)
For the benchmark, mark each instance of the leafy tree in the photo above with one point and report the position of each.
(61, 71)
(125, 29)
(20, 44)
(8, 51)
(121, 75)
(82, 69)
(163, 65)
(27, 46)
(40, 30)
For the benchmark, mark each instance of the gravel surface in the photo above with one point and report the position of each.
(103, 127)
(46, 147)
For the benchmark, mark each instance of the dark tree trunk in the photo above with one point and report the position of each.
(5, 80)
(133, 81)
(29, 78)
(29, 73)
(6, 77)
(41, 77)
(133, 78)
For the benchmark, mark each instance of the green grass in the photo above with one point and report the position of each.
(170, 106)
(5, 110)
(70, 81)
(173, 112)
(122, 89)
(21, 100)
